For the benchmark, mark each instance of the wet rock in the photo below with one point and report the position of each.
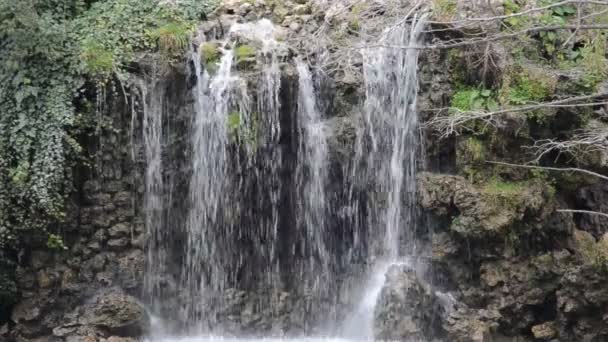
(131, 269)
(404, 307)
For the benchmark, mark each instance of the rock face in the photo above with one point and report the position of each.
(84, 293)
(112, 313)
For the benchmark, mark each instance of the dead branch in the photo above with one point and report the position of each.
(450, 124)
(585, 141)
(522, 13)
(588, 212)
(548, 168)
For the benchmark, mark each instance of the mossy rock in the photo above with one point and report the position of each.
(210, 53)
(245, 56)
(591, 252)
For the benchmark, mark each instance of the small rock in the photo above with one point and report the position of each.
(544, 331)
(244, 9)
(118, 243)
(45, 279)
(302, 9)
(295, 27)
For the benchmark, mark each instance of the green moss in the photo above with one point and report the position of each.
(244, 52)
(527, 89)
(234, 122)
(210, 53)
(502, 188)
(592, 253)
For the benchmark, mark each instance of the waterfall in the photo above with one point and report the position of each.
(386, 152)
(257, 211)
(203, 269)
(311, 173)
(152, 94)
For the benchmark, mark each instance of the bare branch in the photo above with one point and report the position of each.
(597, 213)
(449, 124)
(592, 140)
(518, 14)
(560, 169)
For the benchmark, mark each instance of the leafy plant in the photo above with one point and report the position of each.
(55, 242)
(468, 99)
(558, 15)
(49, 49)
(516, 22)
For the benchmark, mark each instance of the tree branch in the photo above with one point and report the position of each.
(597, 213)
(560, 169)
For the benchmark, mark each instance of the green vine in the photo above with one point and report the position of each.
(49, 49)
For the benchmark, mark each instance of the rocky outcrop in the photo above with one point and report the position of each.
(540, 281)
(109, 314)
(405, 310)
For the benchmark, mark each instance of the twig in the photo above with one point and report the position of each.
(560, 169)
(589, 212)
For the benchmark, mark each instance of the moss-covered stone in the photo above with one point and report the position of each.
(210, 53)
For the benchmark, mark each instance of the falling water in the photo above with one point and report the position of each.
(388, 145)
(152, 93)
(311, 176)
(218, 218)
(203, 266)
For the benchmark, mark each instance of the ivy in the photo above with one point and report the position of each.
(49, 49)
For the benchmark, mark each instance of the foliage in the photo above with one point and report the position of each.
(49, 49)
(55, 242)
(592, 58)
(469, 99)
(517, 22)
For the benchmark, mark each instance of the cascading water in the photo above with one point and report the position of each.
(311, 173)
(388, 146)
(152, 94)
(203, 272)
(237, 199)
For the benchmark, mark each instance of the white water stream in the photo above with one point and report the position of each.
(387, 153)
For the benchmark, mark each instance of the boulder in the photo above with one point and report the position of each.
(404, 308)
